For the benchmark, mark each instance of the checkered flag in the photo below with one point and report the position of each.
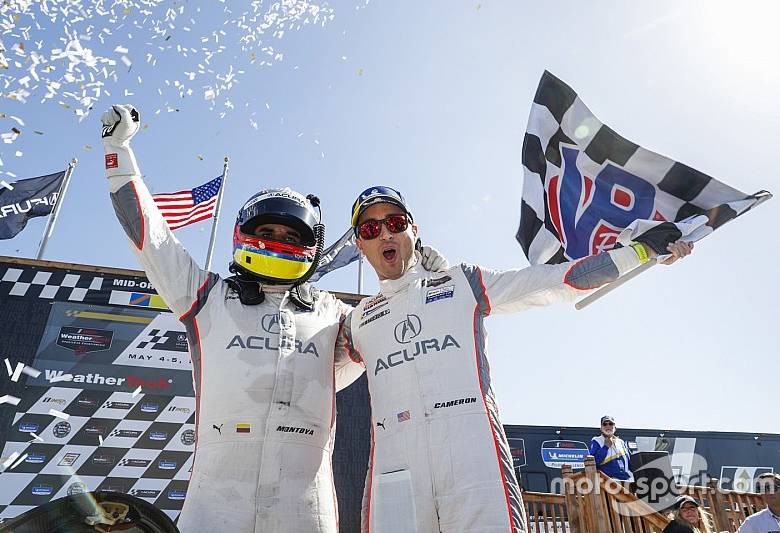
(586, 188)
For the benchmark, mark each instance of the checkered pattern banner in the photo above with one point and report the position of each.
(140, 445)
(65, 285)
(584, 185)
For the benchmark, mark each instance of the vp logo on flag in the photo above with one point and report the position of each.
(589, 213)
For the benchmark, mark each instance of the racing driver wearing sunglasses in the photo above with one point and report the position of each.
(438, 448)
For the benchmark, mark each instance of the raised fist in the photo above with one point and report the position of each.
(120, 123)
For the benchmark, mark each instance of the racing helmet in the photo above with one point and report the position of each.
(271, 260)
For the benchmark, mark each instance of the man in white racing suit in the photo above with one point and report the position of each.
(262, 343)
(439, 457)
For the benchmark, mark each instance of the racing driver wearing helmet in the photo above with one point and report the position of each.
(265, 367)
(438, 449)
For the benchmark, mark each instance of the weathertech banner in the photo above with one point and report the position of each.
(109, 404)
(584, 185)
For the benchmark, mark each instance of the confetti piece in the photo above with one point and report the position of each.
(17, 371)
(88, 147)
(59, 414)
(36, 438)
(18, 461)
(137, 391)
(11, 458)
(360, 72)
(100, 439)
(13, 400)
(61, 377)
(200, 158)
(8, 186)
(30, 371)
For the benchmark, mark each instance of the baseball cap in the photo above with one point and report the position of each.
(375, 195)
(607, 418)
(686, 499)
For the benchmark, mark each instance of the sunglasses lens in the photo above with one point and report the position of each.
(369, 229)
(396, 223)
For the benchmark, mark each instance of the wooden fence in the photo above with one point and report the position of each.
(593, 503)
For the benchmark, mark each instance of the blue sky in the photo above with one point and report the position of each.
(433, 99)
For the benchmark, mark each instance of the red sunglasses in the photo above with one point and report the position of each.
(371, 228)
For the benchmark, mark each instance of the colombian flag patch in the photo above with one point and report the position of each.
(243, 428)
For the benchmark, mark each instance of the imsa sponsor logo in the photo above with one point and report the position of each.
(144, 493)
(28, 427)
(135, 463)
(57, 401)
(61, 429)
(77, 488)
(158, 435)
(35, 458)
(176, 495)
(182, 410)
(69, 459)
(420, 348)
(149, 407)
(118, 405)
(452, 403)
(165, 464)
(126, 433)
(188, 437)
(42, 490)
(293, 429)
(107, 460)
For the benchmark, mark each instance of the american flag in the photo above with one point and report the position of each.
(189, 206)
(403, 417)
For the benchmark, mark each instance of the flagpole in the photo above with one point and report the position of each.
(606, 289)
(360, 274)
(213, 238)
(47, 232)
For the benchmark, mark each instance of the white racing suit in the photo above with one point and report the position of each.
(439, 457)
(265, 383)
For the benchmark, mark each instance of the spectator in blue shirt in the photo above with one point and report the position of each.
(611, 452)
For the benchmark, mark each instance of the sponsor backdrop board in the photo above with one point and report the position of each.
(83, 424)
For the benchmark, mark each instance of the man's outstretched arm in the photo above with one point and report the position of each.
(175, 275)
(538, 285)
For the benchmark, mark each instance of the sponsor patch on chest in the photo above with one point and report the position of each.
(382, 313)
(439, 293)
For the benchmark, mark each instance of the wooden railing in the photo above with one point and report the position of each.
(728, 508)
(593, 503)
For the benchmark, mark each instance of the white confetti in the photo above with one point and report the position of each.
(62, 377)
(13, 400)
(11, 458)
(36, 438)
(137, 391)
(59, 414)
(18, 461)
(100, 439)
(30, 371)
(7, 185)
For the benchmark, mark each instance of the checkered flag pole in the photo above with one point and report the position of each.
(586, 189)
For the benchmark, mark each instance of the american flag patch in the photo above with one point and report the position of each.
(403, 417)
